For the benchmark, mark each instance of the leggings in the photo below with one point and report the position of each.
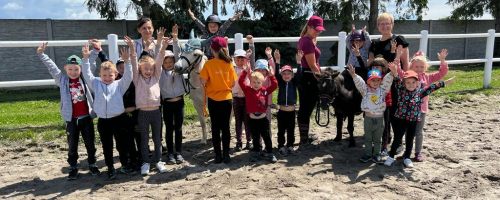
(133, 137)
(419, 134)
(286, 122)
(152, 118)
(173, 116)
(220, 113)
(109, 128)
(241, 118)
(400, 127)
(386, 136)
(308, 96)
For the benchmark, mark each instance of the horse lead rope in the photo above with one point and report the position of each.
(318, 114)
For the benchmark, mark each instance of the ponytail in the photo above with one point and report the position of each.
(304, 31)
(223, 54)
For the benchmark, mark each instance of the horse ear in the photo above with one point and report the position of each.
(191, 34)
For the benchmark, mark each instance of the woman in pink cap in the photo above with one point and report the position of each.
(308, 89)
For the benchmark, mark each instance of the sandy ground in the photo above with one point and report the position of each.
(461, 161)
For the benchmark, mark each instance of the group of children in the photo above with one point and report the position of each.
(130, 92)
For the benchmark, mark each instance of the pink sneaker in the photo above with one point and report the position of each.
(419, 157)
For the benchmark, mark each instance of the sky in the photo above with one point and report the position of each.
(76, 9)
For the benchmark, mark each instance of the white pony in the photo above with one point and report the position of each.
(191, 61)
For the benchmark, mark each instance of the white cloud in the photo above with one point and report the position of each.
(12, 6)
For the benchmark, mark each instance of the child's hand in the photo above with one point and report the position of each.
(160, 33)
(41, 48)
(226, 38)
(352, 71)
(95, 43)
(236, 16)
(393, 46)
(250, 39)
(175, 32)
(392, 67)
(442, 55)
(124, 54)
(129, 41)
(399, 52)
(86, 51)
(364, 29)
(191, 14)
(268, 52)
(298, 56)
(277, 55)
(353, 28)
(246, 67)
(249, 53)
(165, 42)
(449, 81)
(355, 49)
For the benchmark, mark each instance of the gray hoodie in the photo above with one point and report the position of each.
(172, 84)
(63, 82)
(108, 98)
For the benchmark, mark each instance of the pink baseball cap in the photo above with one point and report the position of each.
(286, 67)
(316, 22)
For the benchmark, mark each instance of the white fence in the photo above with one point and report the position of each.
(424, 37)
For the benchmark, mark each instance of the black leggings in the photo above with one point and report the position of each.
(173, 116)
(400, 127)
(308, 96)
(131, 131)
(286, 122)
(220, 113)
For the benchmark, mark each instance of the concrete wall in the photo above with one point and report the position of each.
(23, 63)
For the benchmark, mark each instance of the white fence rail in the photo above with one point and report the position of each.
(424, 37)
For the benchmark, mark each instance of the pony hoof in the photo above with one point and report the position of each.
(352, 144)
(337, 139)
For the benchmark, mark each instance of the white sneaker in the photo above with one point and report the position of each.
(161, 167)
(389, 161)
(408, 163)
(145, 169)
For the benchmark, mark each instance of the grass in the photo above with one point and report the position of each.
(31, 116)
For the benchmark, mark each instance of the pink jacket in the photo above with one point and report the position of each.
(427, 80)
(147, 92)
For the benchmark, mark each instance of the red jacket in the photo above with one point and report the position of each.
(256, 100)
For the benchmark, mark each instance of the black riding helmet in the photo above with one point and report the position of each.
(213, 18)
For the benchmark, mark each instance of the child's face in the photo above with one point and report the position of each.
(418, 66)
(168, 63)
(374, 82)
(360, 43)
(287, 75)
(256, 83)
(262, 71)
(411, 84)
(239, 61)
(107, 76)
(213, 27)
(379, 68)
(147, 70)
(121, 69)
(73, 71)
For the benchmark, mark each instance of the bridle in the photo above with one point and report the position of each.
(191, 67)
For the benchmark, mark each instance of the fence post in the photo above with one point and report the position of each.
(423, 41)
(341, 50)
(238, 41)
(489, 57)
(113, 47)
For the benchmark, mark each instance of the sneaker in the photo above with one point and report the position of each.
(171, 159)
(272, 158)
(306, 146)
(263, 152)
(226, 157)
(239, 146)
(161, 167)
(94, 170)
(291, 151)
(419, 157)
(127, 170)
(73, 174)
(365, 158)
(408, 163)
(218, 158)
(179, 159)
(377, 160)
(111, 173)
(255, 157)
(384, 152)
(399, 149)
(145, 169)
(282, 151)
(389, 161)
(249, 146)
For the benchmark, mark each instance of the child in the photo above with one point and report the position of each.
(287, 100)
(108, 102)
(373, 104)
(218, 77)
(239, 105)
(256, 97)
(212, 28)
(419, 64)
(358, 40)
(146, 81)
(408, 112)
(172, 91)
(76, 109)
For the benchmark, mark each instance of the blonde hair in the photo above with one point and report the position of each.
(304, 31)
(420, 56)
(385, 16)
(147, 59)
(108, 65)
(257, 75)
(222, 54)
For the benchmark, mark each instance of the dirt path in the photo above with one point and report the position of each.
(461, 149)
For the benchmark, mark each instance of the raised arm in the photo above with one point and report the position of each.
(175, 38)
(87, 74)
(96, 44)
(243, 77)
(54, 71)
(348, 39)
(159, 59)
(128, 75)
(251, 45)
(387, 81)
(358, 81)
(368, 41)
(443, 68)
(298, 75)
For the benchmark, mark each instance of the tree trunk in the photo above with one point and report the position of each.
(146, 8)
(372, 21)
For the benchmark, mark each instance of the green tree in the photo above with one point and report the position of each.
(109, 8)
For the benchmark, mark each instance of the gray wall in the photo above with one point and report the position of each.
(23, 63)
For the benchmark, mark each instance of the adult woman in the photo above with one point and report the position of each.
(146, 29)
(386, 47)
(308, 89)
